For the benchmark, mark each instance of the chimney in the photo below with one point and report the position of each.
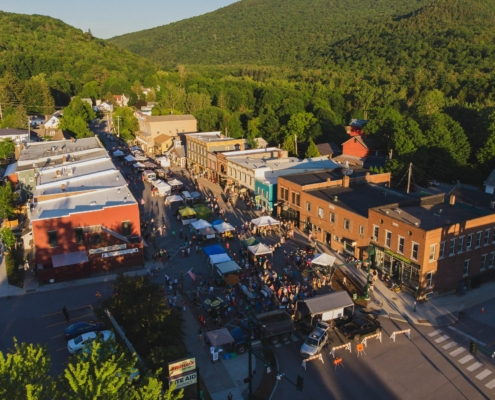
(72, 140)
(63, 187)
(58, 173)
(329, 180)
(452, 200)
(348, 130)
(64, 159)
(345, 181)
(280, 154)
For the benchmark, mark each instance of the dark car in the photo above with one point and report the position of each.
(83, 327)
(360, 327)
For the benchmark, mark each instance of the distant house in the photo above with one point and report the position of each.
(355, 128)
(357, 146)
(18, 136)
(163, 143)
(329, 149)
(490, 183)
(262, 143)
(36, 120)
(106, 106)
(148, 107)
(51, 133)
(121, 100)
(52, 121)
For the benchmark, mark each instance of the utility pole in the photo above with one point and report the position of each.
(1, 112)
(295, 143)
(409, 178)
(29, 130)
(118, 125)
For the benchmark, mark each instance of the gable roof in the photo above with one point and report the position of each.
(367, 143)
(160, 139)
(326, 149)
(13, 132)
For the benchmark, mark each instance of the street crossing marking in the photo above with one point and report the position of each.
(491, 384)
(474, 367)
(449, 345)
(483, 374)
(465, 359)
(455, 353)
(434, 333)
(442, 339)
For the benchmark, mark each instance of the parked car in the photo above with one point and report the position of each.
(82, 327)
(315, 342)
(433, 182)
(360, 327)
(76, 345)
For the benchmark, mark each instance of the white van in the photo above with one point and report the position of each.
(187, 197)
(149, 176)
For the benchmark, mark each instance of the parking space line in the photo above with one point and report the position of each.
(449, 345)
(442, 339)
(434, 333)
(54, 337)
(455, 353)
(465, 359)
(64, 322)
(60, 312)
(491, 384)
(483, 374)
(63, 348)
(474, 367)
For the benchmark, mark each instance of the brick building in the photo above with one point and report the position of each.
(437, 244)
(334, 204)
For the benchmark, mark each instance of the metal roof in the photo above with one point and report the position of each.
(328, 302)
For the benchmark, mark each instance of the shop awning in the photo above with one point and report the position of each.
(63, 260)
(220, 337)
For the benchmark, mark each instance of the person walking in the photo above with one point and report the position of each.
(230, 396)
(66, 314)
(200, 334)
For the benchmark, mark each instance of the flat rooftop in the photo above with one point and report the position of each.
(435, 211)
(250, 151)
(210, 137)
(359, 198)
(83, 203)
(88, 182)
(74, 170)
(36, 151)
(290, 163)
(309, 178)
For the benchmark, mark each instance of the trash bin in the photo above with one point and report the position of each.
(354, 296)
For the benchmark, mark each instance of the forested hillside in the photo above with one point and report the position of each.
(261, 32)
(44, 57)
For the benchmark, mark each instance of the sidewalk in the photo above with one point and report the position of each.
(439, 311)
(223, 376)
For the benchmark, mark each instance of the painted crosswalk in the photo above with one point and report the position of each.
(467, 361)
(483, 374)
(442, 339)
(449, 345)
(458, 351)
(474, 367)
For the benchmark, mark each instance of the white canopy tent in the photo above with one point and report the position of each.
(163, 188)
(223, 227)
(323, 259)
(259, 249)
(200, 224)
(175, 182)
(130, 158)
(138, 165)
(141, 158)
(173, 199)
(163, 161)
(118, 153)
(265, 221)
(228, 267)
(219, 258)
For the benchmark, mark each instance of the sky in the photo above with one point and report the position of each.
(108, 18)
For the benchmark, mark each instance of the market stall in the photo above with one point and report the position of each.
(175, 183)
(197, 196)
(265, 221)
(323, 259)
(187, 215)
(219, 258)
(130, 158)
(223, 269)
(118, 153)
(260, 249)
(214, 249)
(150, 165)
(200, 224)
(138, 166)
(173, 199)
(202, 211)
(207, 233)
(224, 230)
(163, 161)
(162, 188)
(250, 242)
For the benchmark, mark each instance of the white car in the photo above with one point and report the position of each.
(316, 340)
(76, 344)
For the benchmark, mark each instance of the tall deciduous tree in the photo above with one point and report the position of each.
(6, 201)
(312, 150)
(7, 148)
(76, 117)
(15, 118)
(10, 90)
(25, 373)
(125, 122)
(37, 96)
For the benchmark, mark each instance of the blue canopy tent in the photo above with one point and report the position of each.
(214, 249)
(217, 222)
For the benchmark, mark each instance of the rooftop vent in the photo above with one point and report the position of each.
(397, 210)
(93, 203)
(335, 198)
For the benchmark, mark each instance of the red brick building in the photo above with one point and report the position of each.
(437, 244)
(357, 146)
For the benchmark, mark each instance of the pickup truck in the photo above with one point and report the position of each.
(272, 325)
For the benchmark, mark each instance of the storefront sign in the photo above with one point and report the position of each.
(184, 381)
(180, 367)
(108, 248)
(397, 256)
(119, 253)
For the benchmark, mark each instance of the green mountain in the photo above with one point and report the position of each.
(32, 44)
(446, 39)
(261, 32)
